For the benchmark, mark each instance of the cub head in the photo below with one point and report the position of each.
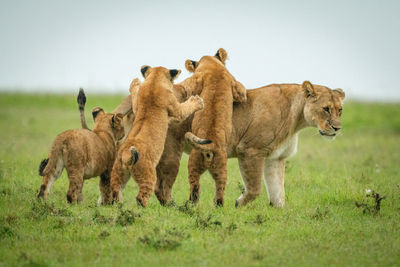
(160, 72)
(219, 58)
(323, 108)
(108, 122)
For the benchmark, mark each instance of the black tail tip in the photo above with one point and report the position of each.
(43, 165)
(205, 142)
(135, 156)
(81, 98)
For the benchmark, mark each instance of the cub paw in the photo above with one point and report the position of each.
(197, 101)
(219, 202)
(41, 194)
(116, 197)
(141, 201)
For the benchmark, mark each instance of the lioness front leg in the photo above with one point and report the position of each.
(181, 111)
(274, 176)
(251, 170)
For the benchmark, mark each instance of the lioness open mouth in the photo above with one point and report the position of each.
(325, 134)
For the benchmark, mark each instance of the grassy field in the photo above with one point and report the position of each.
(320, 224)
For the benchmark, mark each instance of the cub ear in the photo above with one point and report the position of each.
(222, 55)
(144, 69)
(134, 86)
(116, 119)
(308, 89)
(96, 111)
(174, 74)
(340, 93)
(190, 65)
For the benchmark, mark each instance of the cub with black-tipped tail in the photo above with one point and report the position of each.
(154, 104)
(219, 89)
(84, 154)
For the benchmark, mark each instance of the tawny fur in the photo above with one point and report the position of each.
(264, 134)
(168, 166)
(84, 154)
(217, 87)
(153, 105)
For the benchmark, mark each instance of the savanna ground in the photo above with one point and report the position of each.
(320, 224)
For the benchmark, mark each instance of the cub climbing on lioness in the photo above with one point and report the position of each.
(154, 104)
(84, 154)
(219, 89)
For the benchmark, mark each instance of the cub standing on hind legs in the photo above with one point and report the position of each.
(84, 154)
(153, 105)
(219, 89)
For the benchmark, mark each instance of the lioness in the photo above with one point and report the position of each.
(264, 134)
(217, 87)
(153, 105)
(84, 154)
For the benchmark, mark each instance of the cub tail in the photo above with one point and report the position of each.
(53, 164)
(81, 104)
(198, 142)
(130, 157)
(204, 145)
(134, 155)
(42, 166)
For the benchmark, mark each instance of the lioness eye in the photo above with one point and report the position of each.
(340, 111)
(326, 109)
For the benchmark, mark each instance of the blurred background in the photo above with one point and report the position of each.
(58, 46)
(48, 49)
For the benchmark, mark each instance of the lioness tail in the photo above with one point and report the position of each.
(81, 104)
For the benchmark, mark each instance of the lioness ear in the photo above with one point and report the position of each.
(190, 65)
(116, 119)
(96, 111)
(308, 89)
(144, 69)
(174, 74)
(222, 55)
(340, 93)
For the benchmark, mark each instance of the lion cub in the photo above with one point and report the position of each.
(84, 154)
(154, 104)
(219, 89)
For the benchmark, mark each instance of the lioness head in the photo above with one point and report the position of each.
(219, 58)
(323, 108)
(108, 122)
(149, 72)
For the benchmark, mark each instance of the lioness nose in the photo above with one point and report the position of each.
(337, 128)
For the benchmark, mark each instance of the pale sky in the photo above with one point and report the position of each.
(59, 46)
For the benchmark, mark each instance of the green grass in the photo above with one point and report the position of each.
(320, 224)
